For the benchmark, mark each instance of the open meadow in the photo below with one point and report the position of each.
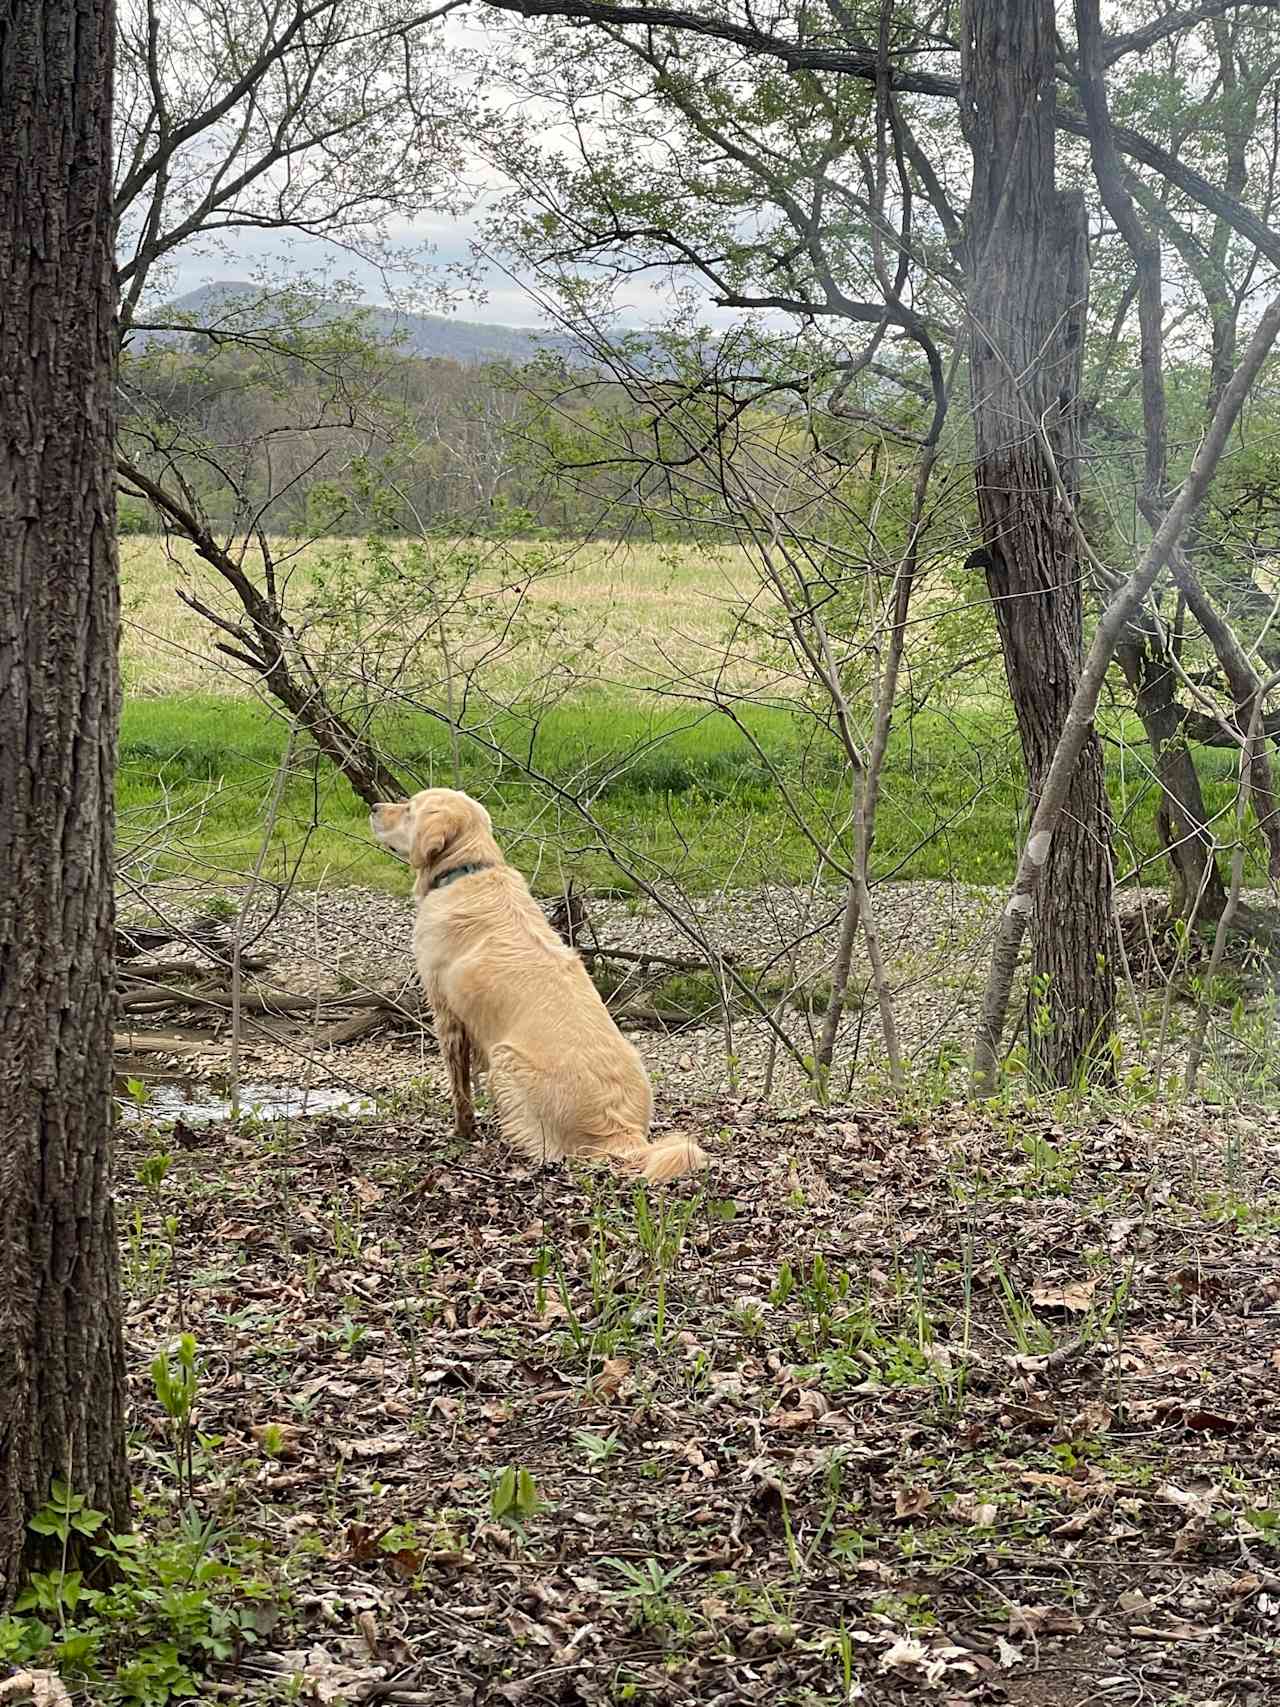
(639, 604)
(626, 725)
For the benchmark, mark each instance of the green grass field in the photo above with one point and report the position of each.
(683, 796)
(676, 787)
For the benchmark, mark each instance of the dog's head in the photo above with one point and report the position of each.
(436, 822)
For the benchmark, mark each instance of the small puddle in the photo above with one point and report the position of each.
(200, 1103)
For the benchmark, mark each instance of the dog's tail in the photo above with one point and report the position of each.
(673, 1157)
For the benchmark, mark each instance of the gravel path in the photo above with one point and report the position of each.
(933, 936)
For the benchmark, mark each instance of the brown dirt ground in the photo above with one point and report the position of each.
(940, 1407)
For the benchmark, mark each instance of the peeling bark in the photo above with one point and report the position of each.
(1028, 287)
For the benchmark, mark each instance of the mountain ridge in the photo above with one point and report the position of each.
(238, 304)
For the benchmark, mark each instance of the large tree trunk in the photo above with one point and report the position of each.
(1028, 285)
(61, 1362)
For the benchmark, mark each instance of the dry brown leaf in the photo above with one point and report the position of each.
(612, 1377)
(911, 1502)
(1076, 1296)
(1197, 1503)
(1078, 1523)
(908, 1655)
(1043, 1621)
(1119, 1230)
(809, 1406)
(1247, 1583)
(970, 1509)
(1210, 1422)
(363, 1539)
(1094, 1418)
(374, 1446)
(34, 1689)
(1195, 1283)
(367, 1625)
(1047, 1479)
(324, 1680)
(1190, 1538)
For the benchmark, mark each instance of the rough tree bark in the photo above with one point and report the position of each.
(1078, 731)
(1028, 282)
(61, 1360)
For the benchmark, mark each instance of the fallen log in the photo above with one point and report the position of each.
(645, 1014)
(643, 958)
(160, 1043)
(349, 1030)
(148, 996)
(159, 969)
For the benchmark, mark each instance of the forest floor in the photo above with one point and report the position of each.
(954, 1407)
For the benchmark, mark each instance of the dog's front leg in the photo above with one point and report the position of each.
(455, 1047)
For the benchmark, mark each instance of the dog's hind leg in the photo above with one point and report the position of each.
(455, 1051)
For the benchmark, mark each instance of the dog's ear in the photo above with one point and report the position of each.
(433, 830)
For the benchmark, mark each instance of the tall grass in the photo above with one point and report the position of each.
(638, 605)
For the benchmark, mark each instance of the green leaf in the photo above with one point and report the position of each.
(504, 1493)
(527, 1501)
(77, 1649)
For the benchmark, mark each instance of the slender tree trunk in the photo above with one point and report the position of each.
(1197, 882)
(1078, 730)
(1146, 655)
(1246, 686)
(61, 1362)
(1028, 283)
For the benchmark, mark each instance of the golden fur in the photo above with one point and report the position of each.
(504, 989)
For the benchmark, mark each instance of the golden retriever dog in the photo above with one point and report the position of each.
(502, 986)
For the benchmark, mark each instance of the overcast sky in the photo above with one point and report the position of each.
(448, 243)
(444, 240)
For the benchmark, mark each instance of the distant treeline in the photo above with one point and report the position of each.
(337, 435)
